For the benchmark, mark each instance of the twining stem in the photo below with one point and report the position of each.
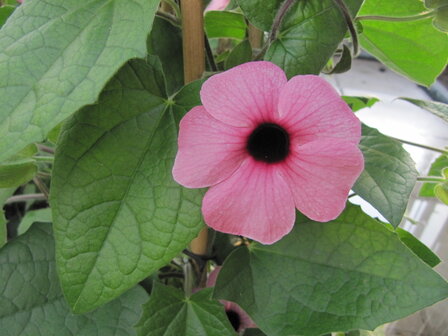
(443, 151)
(209, 52)
(351, 27)
(41, 186)
(24, 198)
(397, 19)
(430, 179)
(46, 149)
(284, 8)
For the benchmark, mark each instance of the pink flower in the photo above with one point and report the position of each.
(217, 5)
(266, 146)
(236, 315)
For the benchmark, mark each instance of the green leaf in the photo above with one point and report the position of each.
(309, 35)
(165, 41)
(16, 174)
(345, 63)
(169, 313)
(32, 301)
(118, 214)
(357, 103)
(388, 177)
(5, 12)
(260, 13)
(436, 108)
(242, 53)
(53, 135)
(223, 24)
(427, 189)
(440, 20)
(435, 3)
(56, 58)
(350, 273)
(441, 192)
(414, 48)
(420, 249)
(40, 215)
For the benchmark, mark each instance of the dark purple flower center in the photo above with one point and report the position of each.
(234, 319)
(269, 143)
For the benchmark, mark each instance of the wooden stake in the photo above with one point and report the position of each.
(194, 66)
(193, 37)
(255, 37)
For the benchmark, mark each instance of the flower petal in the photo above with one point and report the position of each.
(311, 109)
(217, 5)
(209, 151)
(254, 202)
(244, 95)
(321, 174)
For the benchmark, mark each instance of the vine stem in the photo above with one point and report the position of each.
(46, 149)
(284, 8)
(422, 146)
(430, 179)
(24, 198)
(194, 66)
(41, 186)
(350, 25)
(397, 19)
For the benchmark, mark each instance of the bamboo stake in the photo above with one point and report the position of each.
(255, 37)
(193, 37)
(194, 66)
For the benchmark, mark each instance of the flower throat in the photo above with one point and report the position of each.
(269, 143)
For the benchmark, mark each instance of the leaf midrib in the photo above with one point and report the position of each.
(120, 207)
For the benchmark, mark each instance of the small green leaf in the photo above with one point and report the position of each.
(309, 35)
(5, 13)
(345, 63)
(16, 174)
(53, 135)
(388, 177)
(440, 20)
(441, 192)
(414, 48)
(242, 53)
(435, 3)
(357, 103)
(420, 249)
(169, 313)
(118, 214)
(261, 13)
(32, 301)
(40, 215)
(427, 189)
(436, 108)
(70, 53)
(350, 273)
(165, 41)
(223, 24)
